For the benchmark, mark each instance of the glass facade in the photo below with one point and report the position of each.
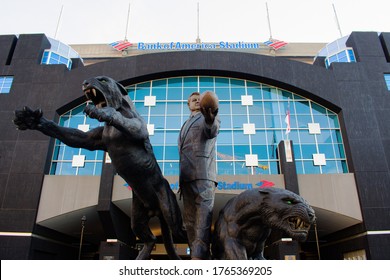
(50, 58)
(74, 161)
(59, 53)
(346, 55)
(252, 124)
(387, 80)
(337, 51)
(5, 84)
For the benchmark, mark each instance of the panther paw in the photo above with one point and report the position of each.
(27, 118)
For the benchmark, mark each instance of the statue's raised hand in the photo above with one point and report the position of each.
(27, 118)
(105, 114)
(209, 114)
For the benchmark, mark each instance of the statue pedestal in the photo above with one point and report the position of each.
(116, 250)
(287, 165)
(283, 249)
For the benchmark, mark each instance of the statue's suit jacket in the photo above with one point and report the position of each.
(197, 149)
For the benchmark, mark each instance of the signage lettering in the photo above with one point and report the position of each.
(198, 46)
(235, 185)
(222, 185)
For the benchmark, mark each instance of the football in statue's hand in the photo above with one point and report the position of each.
(209, 99)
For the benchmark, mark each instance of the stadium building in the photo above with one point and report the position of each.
(59, 202)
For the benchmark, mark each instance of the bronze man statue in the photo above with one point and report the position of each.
(125, 137)
(198, 174)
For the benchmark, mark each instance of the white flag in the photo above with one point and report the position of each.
(287, 120)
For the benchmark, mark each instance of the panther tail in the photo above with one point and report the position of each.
(168, 241)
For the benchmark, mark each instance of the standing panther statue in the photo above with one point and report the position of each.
(125, 137)
(246, 221)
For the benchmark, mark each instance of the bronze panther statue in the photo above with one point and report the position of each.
(246, 221)
(125, 137)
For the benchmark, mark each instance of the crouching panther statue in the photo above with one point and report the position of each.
(245, 222)
(125, 137)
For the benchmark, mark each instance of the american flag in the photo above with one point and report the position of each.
(275, 44)
(120, 45)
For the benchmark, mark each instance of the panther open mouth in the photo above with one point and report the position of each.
(298, 225)
(96, 96)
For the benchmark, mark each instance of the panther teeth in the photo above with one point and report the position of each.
(93, 95)
(298, 224)
(87, 93)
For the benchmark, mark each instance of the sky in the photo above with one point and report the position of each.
(151, 21)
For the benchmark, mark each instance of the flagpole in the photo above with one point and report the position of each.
(337, 21)
(58, 22)
(197, 38)
(269, 21)
(288, 119)
(127, 21)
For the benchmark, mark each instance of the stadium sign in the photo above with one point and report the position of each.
(124, 45)
(198, 46)
(222, 185)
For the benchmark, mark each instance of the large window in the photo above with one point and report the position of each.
(50, 57)
(252, 124)
(346, 55)
(387, 80)
(5, 84)
(74, 161)
(337, 51)
(59, 53)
